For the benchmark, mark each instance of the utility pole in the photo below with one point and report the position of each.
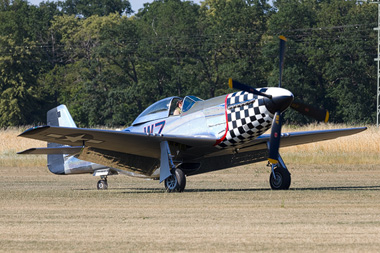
(378, 60)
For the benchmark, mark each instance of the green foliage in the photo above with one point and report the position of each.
(329, 60)
(88, 8)
(108, 67)
(18, 82)
(347, 66)
(233, 33)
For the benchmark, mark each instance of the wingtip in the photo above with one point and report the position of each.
(36, 128)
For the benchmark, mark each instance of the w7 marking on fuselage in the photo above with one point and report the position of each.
(150, 129)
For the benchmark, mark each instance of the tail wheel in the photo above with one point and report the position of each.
(282, 180)
(102, 185)
(176, 182)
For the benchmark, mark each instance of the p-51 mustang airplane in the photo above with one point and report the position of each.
(207, 135)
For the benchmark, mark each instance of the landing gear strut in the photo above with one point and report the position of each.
(176, 182)
(280, 178)
(102, 183)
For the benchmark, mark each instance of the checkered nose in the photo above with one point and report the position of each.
(280, 101)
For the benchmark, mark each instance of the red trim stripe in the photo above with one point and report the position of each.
(225, 134)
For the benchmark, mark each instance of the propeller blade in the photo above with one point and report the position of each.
(241, 86)
(311, 111)
(282, 54)
(275, 137)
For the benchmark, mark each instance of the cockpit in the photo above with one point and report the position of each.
(189, 102)
(165, 108)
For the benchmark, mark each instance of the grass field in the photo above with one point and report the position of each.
(333, 205)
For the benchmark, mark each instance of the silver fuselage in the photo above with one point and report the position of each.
(232, 120)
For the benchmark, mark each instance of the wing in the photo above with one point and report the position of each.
(298, 138)
(147, 145)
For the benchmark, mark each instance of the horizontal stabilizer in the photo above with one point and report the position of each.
(51, 151)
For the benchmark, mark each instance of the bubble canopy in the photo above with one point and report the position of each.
(164, 108)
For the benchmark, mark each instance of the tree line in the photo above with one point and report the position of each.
(108, 62)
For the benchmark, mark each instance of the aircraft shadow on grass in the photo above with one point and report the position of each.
(327, 188)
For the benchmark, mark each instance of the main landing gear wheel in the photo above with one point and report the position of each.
(176, 182)
(282, 181)
(102, 184)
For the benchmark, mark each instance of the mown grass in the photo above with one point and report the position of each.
(226, 211)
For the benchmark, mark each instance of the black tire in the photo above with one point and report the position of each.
(282, 181)
(102, 185)
(176, 182)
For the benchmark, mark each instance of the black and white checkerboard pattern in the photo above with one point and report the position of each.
(245, 121)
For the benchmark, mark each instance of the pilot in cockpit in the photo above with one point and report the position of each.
(178, 110)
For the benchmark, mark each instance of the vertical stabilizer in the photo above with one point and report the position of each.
(58, 116)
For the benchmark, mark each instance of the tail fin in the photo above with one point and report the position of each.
(58, 116)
